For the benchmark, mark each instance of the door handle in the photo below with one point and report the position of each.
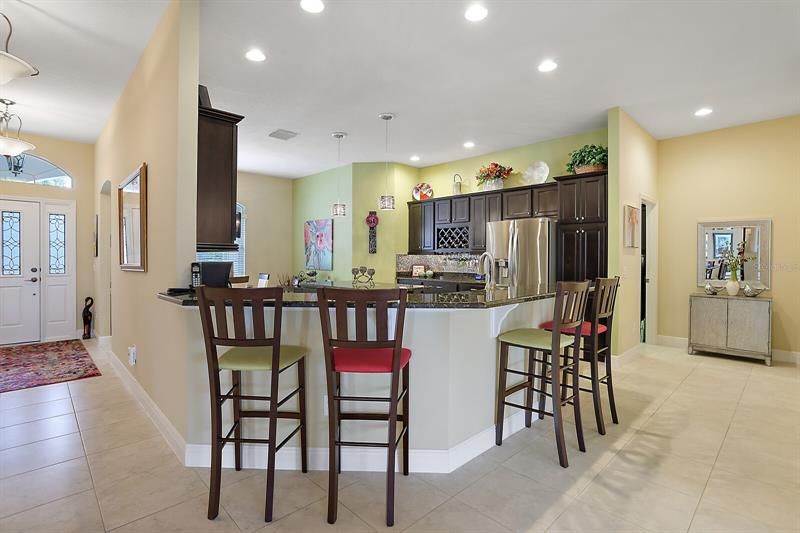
(34, 279)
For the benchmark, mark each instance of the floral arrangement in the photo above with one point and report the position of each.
(493, 172)
(735, 260)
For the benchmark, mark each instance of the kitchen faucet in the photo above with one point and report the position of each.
(489, 273)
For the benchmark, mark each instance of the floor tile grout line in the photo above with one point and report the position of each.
(48, 503)
(39, 440)
(711, 472)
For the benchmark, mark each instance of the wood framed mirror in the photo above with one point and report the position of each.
(132, 200)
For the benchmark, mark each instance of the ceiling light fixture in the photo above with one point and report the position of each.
(9, 145)
(476, 13)
(339, 208)
(386, 201)
(255, 55)
(312, 6)
(12, 67)
(703, 111)
(469, 144)
(414, 158)
(548, 65)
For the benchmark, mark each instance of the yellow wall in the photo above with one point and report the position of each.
(268, 210)
(155, 121)
(750, 171)
(633, 154)
(77, 159)
(554, 152)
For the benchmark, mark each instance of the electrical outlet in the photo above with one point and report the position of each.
(132, 355)
(325, 405)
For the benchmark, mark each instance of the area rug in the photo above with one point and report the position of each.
(32, 365)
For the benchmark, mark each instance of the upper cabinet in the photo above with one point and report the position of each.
(420, 227)
(517, 203)
(545, 201)
(217, 133)
(582, 198)
(483, 208)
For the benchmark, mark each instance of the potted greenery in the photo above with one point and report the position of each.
(590, 158)
(734, 261)
(491, 178)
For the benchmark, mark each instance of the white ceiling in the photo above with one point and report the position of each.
(449, 80)
(85, 50)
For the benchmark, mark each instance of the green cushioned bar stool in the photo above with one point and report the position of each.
(559, 354)
(251, 350)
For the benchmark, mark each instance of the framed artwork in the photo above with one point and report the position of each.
(722, 241)
(318, 244)
(631, 232)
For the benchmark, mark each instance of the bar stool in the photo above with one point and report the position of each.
(593, 331)
(382, 355)
(249, 353)
(569, 309)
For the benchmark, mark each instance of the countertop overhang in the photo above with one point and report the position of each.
(474, 299)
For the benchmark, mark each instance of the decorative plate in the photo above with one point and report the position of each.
(422, 191)
(536, 173)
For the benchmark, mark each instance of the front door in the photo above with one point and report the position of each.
(20, 276)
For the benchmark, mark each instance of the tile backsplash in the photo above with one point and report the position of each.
(463, 263)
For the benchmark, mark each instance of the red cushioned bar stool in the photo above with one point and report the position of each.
(382, 355)
(596, 333)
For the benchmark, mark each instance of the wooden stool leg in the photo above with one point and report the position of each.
(333, 456)
(501, 394)
(529, 390)
(273, 437)
(564, 374)
(236, 378)
(576, 400)
(598, 408)
(558, 421)
(391, 451)
(301, 382)
(339, 422)
(610, 386)
(542, 387)
(406, 417)
(216, 454)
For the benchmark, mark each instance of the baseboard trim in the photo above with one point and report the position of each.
(361, 459)
(173, 437)
(784, 356)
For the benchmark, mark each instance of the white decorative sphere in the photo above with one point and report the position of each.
(536, 173)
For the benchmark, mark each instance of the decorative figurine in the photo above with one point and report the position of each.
(752, 292)
(372, 223)
(362, 276)
(711, 290)
(87, 317)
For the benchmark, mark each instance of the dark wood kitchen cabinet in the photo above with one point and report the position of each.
(517, 204)
(442, 211)
(582, 198)
(421, 227)
(459, 210)
(581, 251)
(483, 208)
(545, 201)
(217, 133)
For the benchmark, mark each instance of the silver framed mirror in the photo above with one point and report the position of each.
(132, 205)
(754, 236)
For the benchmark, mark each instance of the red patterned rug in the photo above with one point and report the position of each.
(31, 365)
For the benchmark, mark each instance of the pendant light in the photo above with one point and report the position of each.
(339, 209)
(386, 201)
(12, 67)
(11, 146)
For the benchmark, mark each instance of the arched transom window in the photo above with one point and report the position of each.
(28, 168)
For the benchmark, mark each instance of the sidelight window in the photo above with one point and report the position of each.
(57, 243)
(11, 246)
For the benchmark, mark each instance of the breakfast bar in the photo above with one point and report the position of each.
(453, 379)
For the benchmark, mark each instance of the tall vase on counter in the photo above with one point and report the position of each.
(492, 177)
(734, 260)
(733, 284)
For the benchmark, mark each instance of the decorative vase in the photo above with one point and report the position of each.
(732, 287)
(583, 169)
(493, 185)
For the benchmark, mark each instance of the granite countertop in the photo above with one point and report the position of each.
(474, 299)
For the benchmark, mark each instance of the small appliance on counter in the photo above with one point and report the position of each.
(211, 273)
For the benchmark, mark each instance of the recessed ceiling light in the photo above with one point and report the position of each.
(312, 6)
(256, 55)
(548, 65)
(469, 144)
(703, 111)
(414, 158)
(475, 13)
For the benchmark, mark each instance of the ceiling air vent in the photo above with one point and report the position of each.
(283, 135)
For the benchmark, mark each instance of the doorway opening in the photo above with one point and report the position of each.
(648, 299)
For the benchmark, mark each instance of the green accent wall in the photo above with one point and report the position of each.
(312, 198)
(554, 152)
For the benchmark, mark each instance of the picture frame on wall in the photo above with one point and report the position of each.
(631, 231)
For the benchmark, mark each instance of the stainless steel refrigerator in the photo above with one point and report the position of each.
(522, 253)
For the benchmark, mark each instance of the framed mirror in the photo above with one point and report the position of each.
(132, 200)
(717, 236)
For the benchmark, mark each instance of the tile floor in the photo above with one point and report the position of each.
(704, 444)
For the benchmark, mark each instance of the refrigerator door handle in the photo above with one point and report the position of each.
(513, 254)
